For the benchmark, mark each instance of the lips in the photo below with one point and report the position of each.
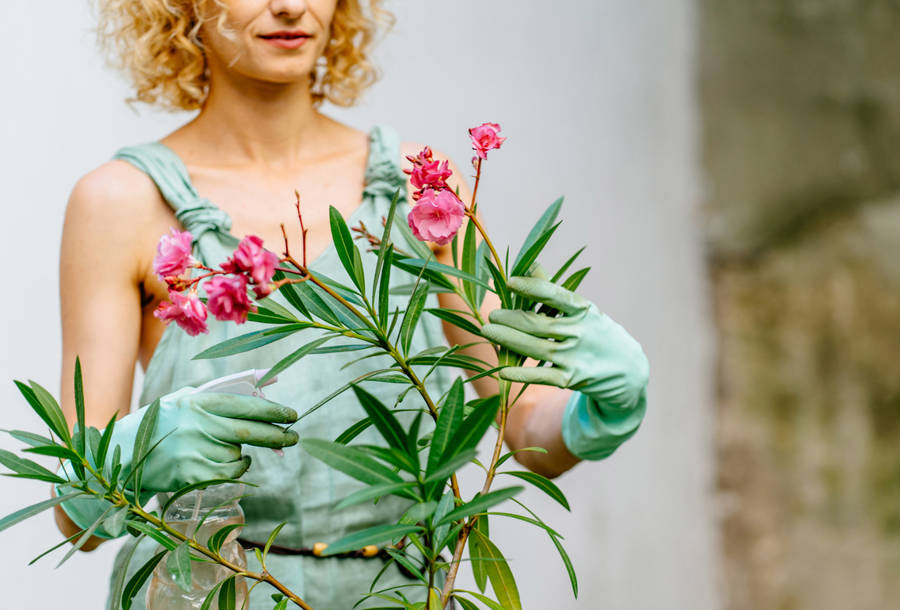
(285, 39)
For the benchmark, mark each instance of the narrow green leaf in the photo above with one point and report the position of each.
(385, 241)
(228, 594)
(456, 361)
(142, 442)
(30, 438)
(443, 471)
(500, 286)
(341, 390)
(46, 408)
(218, 538)
(375, 491)
(166, 542)
(54, 451)
(343, 244)
(478, 559)
(385, 422)
(384, 287)
(392, 456)
(56, 546)
(502, 581)
(473, 427)
(415, 266)
(250, 341)
(528, 257)
(542, 483)
(566, 265)
(271, 540)
(80, 444)
(403, 560)
(179, 565)
(138, 579)
(506, 456)
(293, 358)
(483, 599)
(574, 281)
(449, 420)
(540, 227)
(372, 535)
(480, 503)
(351, 461)
(271, 308)
(34, 509)
(193, 487)
(456, 320)
(118, 580)
(316, 303)
(540, 524)
(482, 273)
(446, 504)
(465, 603)
(567, 561)
(115, 523)
(289, 291)
(27, 468)
(468, 260)
(103, 448)
(411, 318)
(211, 596)
(353, 431)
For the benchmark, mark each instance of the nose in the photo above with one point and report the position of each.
(291, 9)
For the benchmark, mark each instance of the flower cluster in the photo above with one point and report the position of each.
(250, 265)
(438, 213)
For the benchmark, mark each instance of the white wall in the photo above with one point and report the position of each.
(596, 97)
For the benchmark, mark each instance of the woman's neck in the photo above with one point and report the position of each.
(247, 122)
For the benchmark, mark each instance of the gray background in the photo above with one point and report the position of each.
(596, 98)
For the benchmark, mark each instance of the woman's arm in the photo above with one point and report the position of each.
(536, 418)
(100, 298)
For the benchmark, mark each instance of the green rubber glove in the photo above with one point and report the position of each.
(590, 353)
(201, 434)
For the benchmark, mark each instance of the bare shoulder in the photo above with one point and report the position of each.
(118, 207)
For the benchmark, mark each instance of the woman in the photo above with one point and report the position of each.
(257, 70)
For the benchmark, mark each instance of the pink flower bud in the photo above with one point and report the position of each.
(432, 174)
(437, 216)
(187, 311)
(485, 137)
(228, 299)
(251, 258)
(173, 254)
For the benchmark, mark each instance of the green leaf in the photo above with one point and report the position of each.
(118, 580)
(271, 539)
(473, 427)
(523, 265)
(411, 318)
(80, 445)
(540, 524)
(403, 560)
(270, 308)
(28, 469)
(465, 603)
(179, 565)
(384, 287)
(506, 456)
(480, 503)
(218, 538)
(443, 471)
(385, 422)
(570, 569)
(47, 409)
(502, 581)
(341, 390)
(293, 358)
(482, 598)
(54, 451)
(166, 542)
(395, 457)
(566, 265)
(372, 535)
(103, 448)
(346, 249)
(500, 286)
(375, 491)
(351, 461)
(385, 242)
(468, 260)
(574, 280)
(353, 431)
(115, 523)
(542, 483)
(142, 443)
(250, 341)
(208, 600)
(415, 265)
(448, 423)
(138, 579)
(228, 594)
(447, 503)
(540, 228)
(456, 320)
(292, 296)
(193, 487)
(482, 273)
(34, 509)
(56, 546)
(316, 303)
(478, 559)
(30, 438)
(460, 361)
(419, 512)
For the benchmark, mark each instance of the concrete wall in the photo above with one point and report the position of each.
(597, 101)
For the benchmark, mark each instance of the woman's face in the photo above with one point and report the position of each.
(275, 41)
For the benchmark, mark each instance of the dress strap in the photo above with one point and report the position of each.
(383, 173)
(196, 214)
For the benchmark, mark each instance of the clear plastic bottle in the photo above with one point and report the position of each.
(216, 507)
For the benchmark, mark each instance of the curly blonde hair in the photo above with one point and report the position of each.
(157, 43)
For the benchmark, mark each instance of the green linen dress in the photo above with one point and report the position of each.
(293, 488)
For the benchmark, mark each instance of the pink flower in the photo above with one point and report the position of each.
(437, 216)
(173, 254)
(228, 298)
(425, 156)
(485, 137)
(187, 311)
(432, 174)
(250, 257)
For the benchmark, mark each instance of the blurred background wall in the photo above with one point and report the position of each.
(800, 107)
(600, 101)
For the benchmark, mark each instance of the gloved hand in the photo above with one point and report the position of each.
(201, 434)
(591, 354)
